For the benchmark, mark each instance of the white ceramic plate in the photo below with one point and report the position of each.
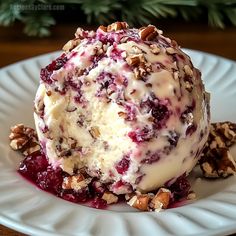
(25, 208)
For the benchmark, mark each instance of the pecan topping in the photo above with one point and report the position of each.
(140, 202)
(191, 196)
(109, 197)
(142, 67)
(170, 50)
(122, 114)
(117, 26)
(150, 201)
(103, 28)
(161, 200)
(135, 60)
(94, 131)
(188, 70)
(187, 118)
(218, 163)
(188, 86)
(76, 182)
(155, 49)
(222, 134)
(23, 139)
(71, 44)
(79, 33)
(216, 160)
(142, 70)
(137, 50)
(148, 33)
(174, 43)
(128, 196)
(49, 93)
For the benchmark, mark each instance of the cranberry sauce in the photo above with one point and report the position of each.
(179, 189)
(36, 169)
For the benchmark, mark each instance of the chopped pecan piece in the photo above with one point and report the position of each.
(170, 50)
(222, 134)
(122, 114)
(135, 60)
(226, 165)
(226, 131)
(109, 197)
(191, 196)
(142, 70)
(155, 49)
(161, 200)
(137, 50)
(103, 28)
(24, 139)
(117, 26)
(76, 182)
(49, 93)
(140, 202)
(218, 163)
(188, 70)
(79, 33)
(94, 131)
(188, 86)
(128, 196)
(148, 33)
(216, 160)
(71, 44)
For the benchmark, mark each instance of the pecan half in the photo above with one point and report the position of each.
(222, 134)
(24, 139)
(117, 26)
(135, 60)
(216, 160)
(218, 163)
(148, 33)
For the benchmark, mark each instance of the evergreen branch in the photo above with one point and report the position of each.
(37, 23)
(231, 13)
(8, 13)
(215, 17)
(101, 11)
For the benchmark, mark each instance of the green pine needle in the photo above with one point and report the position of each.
(9, 12)
(38, 24)
(142, 12)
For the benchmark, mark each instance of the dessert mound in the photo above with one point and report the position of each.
(124, 106)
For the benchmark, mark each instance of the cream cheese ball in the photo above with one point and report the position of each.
(125, 105)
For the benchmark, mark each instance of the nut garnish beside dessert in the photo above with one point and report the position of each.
(217, 160)
(122, 113)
